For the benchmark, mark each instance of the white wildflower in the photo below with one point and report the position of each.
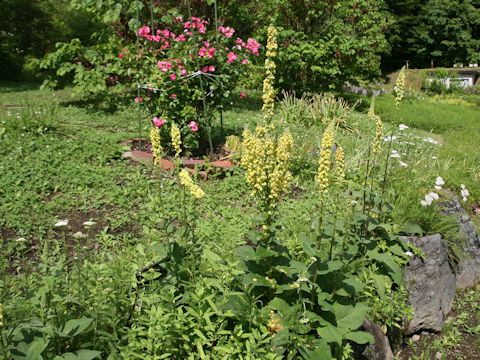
(409, 253)
(401, 163)
(465, 193)
(434, 195)
(395, 155)
(439, 181)
(89, 223)
(21, 239)
(434, 157)
(62, 223)
(402, 127)
(390, 138)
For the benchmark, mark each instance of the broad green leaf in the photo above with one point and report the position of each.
(360, 337)
(81, 355)
(76, 326)
(35, 350)
(330, 334)
(411, 229)
(246, 252)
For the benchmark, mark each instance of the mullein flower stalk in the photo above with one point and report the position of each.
(187, 181)
(324, 160)
(266, 158)
(400, 87)
(339, 168)
(379, 128)
(157, 156)
(270, 67)
(176, 139)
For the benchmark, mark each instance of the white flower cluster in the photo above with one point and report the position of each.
(429, 199)
(390, 138)
(439, 182)
(402, 127)
(464, 192)
(431, 141)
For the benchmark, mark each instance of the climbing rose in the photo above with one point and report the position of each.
(193, 126)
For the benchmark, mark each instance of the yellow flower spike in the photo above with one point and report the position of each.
(156, 145)
(325, 159)
(187, 181)
(176, 139)
(371, 110)
(268, 90)
(1, 316)
(339, 169)
(266, 159)
(377, 143)
(400, 86)
(379, 127)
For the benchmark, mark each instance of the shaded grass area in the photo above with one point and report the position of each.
(459, 128)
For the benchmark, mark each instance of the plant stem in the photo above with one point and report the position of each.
(317, 265)
(4, 348)
(385, 177)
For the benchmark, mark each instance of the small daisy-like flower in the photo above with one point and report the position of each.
(402, 127)
(439, 181)
(61, 223)
(89, 223)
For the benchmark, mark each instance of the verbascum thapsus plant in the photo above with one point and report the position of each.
(324, 160)
(400, 86)
(176, 139)
(339, 165)
(377, 143)
(187, 181)
(156, 145)
(268, 90)
(267, 159)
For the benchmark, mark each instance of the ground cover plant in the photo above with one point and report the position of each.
(282, 257)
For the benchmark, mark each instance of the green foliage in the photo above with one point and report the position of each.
(445, 31)
(325, 44)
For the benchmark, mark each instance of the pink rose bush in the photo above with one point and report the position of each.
(168, 58)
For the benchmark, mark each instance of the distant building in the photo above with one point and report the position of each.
(466, 76)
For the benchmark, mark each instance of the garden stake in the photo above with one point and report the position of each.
(138, 85)
(209, 126)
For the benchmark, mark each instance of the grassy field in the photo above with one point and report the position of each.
(61, 160)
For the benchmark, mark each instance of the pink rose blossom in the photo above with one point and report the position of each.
(158, 122)
(193, 126)
(120, 55)
(173, 77)
(138, 99)
(243, 95)
(244, 61)
(204, 69)
(211, 51)
(207, 44)
(231, 57)
(202, 51)
(174, 96)
(183, 72)
(211, 68)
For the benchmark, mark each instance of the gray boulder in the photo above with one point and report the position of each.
(468, 268)
(430, 283)
(380, 350)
